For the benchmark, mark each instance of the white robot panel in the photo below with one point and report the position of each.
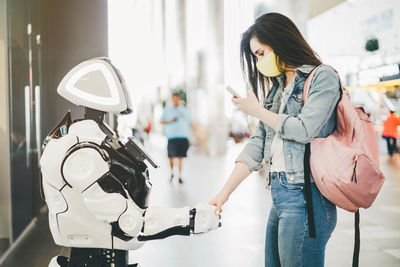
(104, 206)
(158, 219)
(53, 157)
(83, 167)
(88, 131)
(131, 220)
(56, 204)
(79, 227)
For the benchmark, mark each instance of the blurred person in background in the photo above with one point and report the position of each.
(274, 54)
(390, 132)
(177, 121)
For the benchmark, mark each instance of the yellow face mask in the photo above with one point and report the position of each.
(268, 66)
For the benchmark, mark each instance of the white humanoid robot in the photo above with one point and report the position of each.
(96, 186)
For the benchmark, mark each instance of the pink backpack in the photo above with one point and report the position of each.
(345, 165)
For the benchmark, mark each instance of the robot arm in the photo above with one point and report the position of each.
(162, 222)
(86, 166)
(152, 223)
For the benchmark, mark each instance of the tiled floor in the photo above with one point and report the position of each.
(240, 241)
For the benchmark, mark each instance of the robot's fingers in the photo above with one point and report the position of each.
(205, 218)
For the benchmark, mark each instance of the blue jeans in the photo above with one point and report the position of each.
(288, 243)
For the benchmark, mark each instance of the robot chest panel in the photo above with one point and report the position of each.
(133, 177)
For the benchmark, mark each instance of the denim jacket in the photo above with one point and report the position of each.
(298, 123)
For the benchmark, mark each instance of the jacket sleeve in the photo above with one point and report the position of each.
(322, 99)
(253, 153)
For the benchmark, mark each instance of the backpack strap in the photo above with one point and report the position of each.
(307, 83)
(307, 169)
(356, 251)
(308, 193)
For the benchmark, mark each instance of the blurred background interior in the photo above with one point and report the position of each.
(191, 47)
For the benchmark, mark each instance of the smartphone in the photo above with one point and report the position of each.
(233, 92)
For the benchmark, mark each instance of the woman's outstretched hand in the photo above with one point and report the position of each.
(218, 201)
(249, 104)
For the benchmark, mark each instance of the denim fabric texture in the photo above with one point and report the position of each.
(298, 123)
(287, 238)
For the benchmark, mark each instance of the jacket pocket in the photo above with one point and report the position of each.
(294, 104)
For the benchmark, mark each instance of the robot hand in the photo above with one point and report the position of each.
(205, 218)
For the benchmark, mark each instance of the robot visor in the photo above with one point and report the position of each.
(96, 84)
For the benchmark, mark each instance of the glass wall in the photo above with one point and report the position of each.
(4, 134)
(24, 112)
(39, 55)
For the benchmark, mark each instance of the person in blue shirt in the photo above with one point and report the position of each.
(177, 122)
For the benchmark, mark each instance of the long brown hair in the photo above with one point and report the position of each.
(281, 34)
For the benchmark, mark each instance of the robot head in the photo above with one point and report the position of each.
(96, 84)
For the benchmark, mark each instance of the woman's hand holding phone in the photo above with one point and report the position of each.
(233, 92)
(248, 105)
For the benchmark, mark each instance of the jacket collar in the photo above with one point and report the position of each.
(302, 70)
(305, 69)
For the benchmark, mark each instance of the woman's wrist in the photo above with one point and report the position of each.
(226, 192)
(259, 113)
(268, 117)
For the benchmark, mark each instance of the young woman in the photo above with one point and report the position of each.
(274, 54)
